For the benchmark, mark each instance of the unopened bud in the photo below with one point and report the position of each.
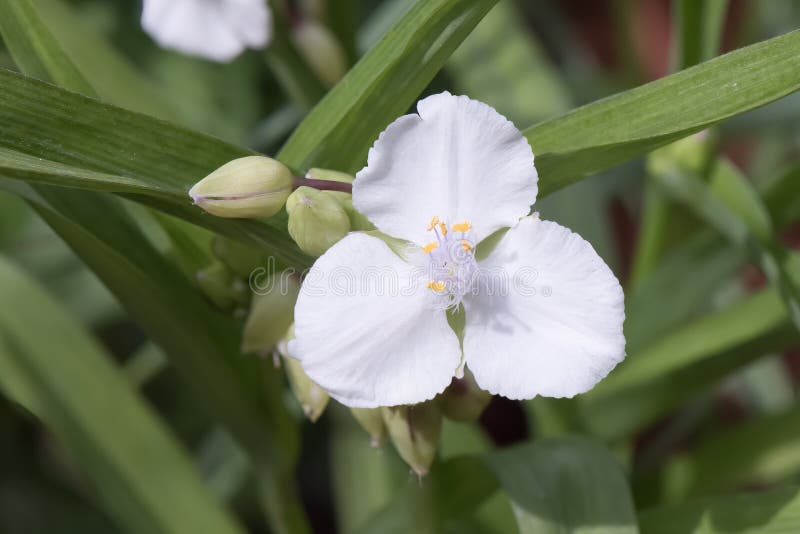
(271, 314)
(249, 187)
(371, 420)
(316, 220)
(690, 153)
(415, 431)
(216, 283)
(463, 400)
(321, 50)
(357, 220)
(312, 398)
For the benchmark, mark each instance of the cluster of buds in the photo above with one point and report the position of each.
(320, 213)
(415, 430)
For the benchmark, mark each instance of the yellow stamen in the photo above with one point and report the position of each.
(461, 227)
(443, 228)
(436, 286)
(433, 223)
(465, 245)
(429, 247)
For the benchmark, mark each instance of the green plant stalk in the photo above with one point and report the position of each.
(696, 39)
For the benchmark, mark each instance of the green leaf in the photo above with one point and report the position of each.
(565, 485)
(693, 356)
(732, 207)
(699, 30)
(243, 393)
(774, 511)
(50, 42)
(100, 147)
(759, 452)
(339, 131)
(607, 132)
(452, 490)
(32, 43)
(49, 365)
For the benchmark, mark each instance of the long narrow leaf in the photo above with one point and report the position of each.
(53, 368)
(602, 134)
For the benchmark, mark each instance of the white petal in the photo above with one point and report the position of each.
(213, 29)
(366, 331)
(458, 159)
(556, 328)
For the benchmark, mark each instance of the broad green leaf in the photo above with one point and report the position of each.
(50, 366)
(566, 485)
(385, 82)
(602, 134)
(759, 452)
(452, 490)
(774, 511)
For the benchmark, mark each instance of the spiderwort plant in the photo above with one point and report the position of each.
(543, 312)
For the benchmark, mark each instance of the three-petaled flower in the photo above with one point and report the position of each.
(371, 322)
(218, 30)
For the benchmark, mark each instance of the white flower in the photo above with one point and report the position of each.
(371, 326)
(218, 30)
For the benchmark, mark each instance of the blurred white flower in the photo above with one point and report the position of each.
(218, 30)
(543, 312)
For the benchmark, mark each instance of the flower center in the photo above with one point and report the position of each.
(452, 266)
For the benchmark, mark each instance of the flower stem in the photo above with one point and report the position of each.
(323, 185)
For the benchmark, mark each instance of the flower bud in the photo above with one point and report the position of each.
(321, 50)
(690, 153)
(312, 398)
(249, 187)
(316, 220)
(216, 283)
(415, 431)
(371, 420)
(345, 200)
(463, 400)
(271, 314)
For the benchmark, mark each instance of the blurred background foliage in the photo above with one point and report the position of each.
(127, 406)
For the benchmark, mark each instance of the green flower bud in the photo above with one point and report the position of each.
(415, 431)
(316, 220)
(690, 153)
(321, 50)
(371, 420)
(249, 187)
(216, 283)
(357, 220)
(312, 398)
(463, 400)
(271, 314)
